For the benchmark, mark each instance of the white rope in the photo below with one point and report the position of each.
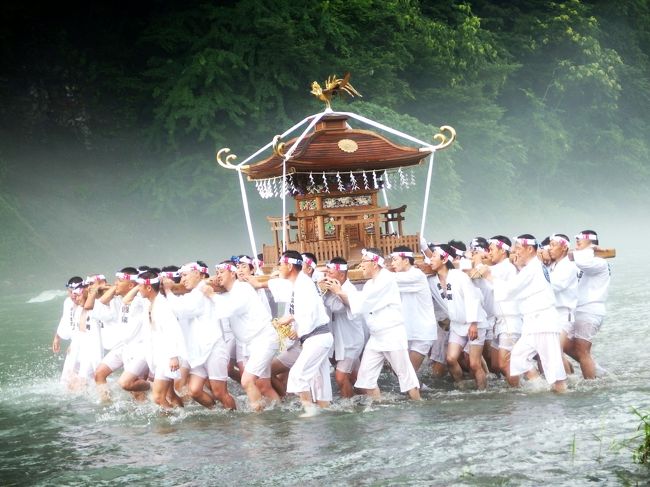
(247, 215)
(270, 144)
(426, 193)
(390, 224)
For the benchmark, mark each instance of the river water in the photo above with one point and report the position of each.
(499, 437)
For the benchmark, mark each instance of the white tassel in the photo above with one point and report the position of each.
(312, 184)
(327, 190)
(374, 180)
(365, 181)
(353, 182)
(340, 182)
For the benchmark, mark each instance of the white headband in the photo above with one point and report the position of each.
(169, 274)
(401, 254)
(95, 278)
(559, 239)
(193, 266)
(586, 236)
(309, 262)
(147, 282)
(526, 241)
(373, 257)
(337, 267)
(289, 260)
(226, 267)
(441, 252)
(126, 277)
(245, 260)
(499, 244)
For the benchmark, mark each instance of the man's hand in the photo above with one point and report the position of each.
(174, 364)
(56, 344)
(472, 333)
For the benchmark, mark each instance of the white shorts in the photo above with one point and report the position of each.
(241, 353)
(261, 352)
(216, 365)
(489, 334)
(113, 359)
(163, 372)
(347, 365)
(587, 326)
(505, 341)
(547, 346)
(464, 340)
(290, 355)
(311, 371)
(439, 348)
(372, 362)
(423, 347)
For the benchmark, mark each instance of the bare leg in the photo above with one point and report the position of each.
(198, 393)
(374, 393)
(438, 370)
(559, 386)
(248, 382)
(159, 392)
(416, 359)
(414, 393)
(582, 350)
(453, 353)
(133, 383)
(219, 389)
(181, 385)
(476, 366)
(279, 377)
(101, 374)
(504, 365)
(265, 387)
(343, 380)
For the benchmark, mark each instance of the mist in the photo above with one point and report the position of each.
(109, 125)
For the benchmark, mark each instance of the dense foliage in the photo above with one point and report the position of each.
(551, 101)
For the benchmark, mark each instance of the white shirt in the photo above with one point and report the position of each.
(123, 322)
(349, 336)
(204, 329)
(309, 312)
(243, 308)
(165, 333)
(506, 311)
(380, 304)
(532, 289)
(463, 302)
(68, 325)
(417, 306)
(564, 281)
(593, 281)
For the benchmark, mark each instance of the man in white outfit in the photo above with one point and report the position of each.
(564, 281)
(207, 350)
(251, 324)
(531, 287)
(309, 376)
(165, 339)
(380, 304)
(348, 331)
(417, 305)
(593, 285)
(127, 319)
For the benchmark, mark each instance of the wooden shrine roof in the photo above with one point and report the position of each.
(333, 146)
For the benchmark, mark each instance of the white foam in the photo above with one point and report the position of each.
(48, 295)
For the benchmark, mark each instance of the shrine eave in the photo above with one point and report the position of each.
(339, 149)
